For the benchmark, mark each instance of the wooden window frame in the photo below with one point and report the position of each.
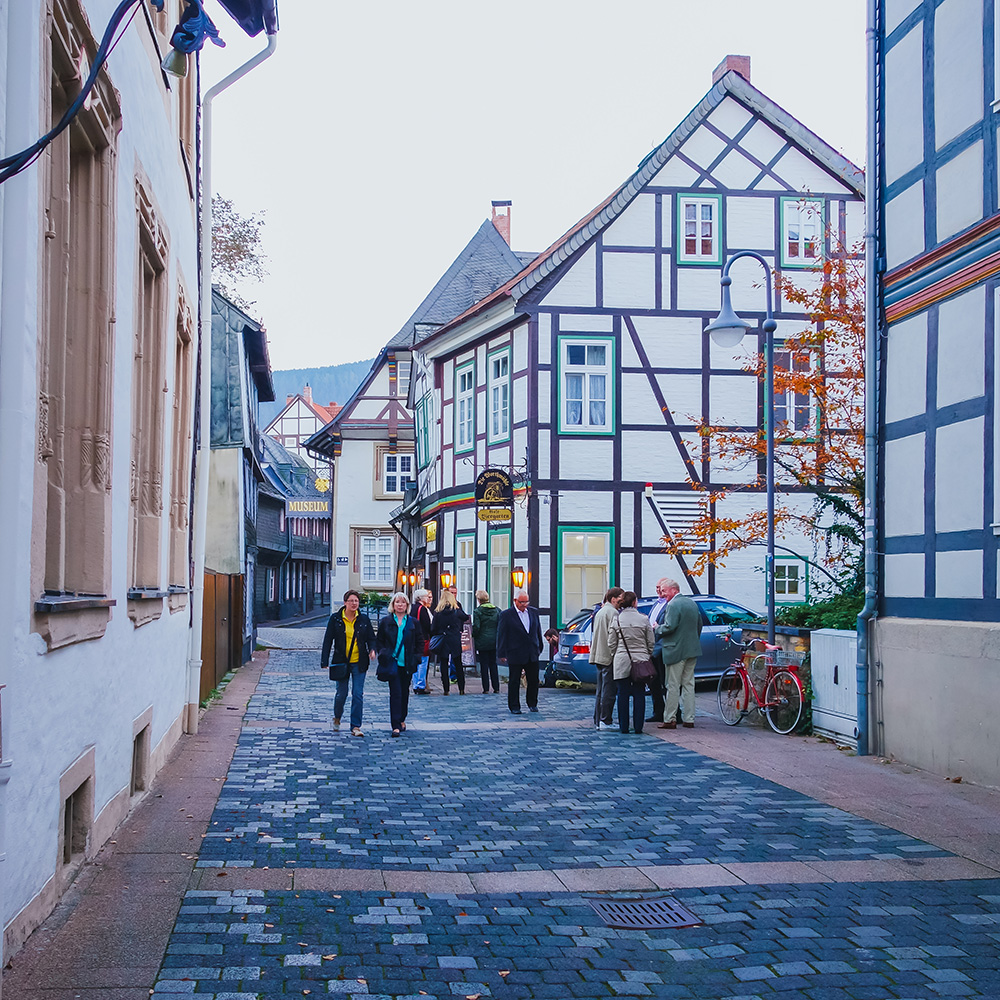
(493, 434)
(465, 400)
(608, 428)
(713, 259)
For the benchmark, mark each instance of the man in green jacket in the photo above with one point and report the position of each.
(680, 641)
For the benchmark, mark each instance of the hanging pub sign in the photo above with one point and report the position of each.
(494, 495)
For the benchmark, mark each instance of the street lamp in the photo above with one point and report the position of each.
(727, 330)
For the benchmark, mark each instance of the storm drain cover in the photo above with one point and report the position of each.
(643, 914)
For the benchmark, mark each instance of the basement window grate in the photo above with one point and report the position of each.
(644, 914)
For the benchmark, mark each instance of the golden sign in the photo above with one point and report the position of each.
(494, 513)
(308, 506)
(322, 484)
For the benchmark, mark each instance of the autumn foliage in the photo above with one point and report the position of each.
(819, 451)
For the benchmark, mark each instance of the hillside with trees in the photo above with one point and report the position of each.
(332, 384)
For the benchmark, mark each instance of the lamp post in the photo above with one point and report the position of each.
(727, 330)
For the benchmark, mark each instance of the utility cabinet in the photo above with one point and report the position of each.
(833, 659)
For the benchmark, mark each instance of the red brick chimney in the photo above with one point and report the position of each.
(738, 64)
(289, 398)
(307, 393)
(501, 219)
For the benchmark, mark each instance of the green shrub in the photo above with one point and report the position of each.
(834, 612)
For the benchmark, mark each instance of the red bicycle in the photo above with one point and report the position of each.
(767, 674)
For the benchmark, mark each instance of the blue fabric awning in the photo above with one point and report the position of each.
(253, 16)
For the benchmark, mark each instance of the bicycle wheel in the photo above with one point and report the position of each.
(783, 702)
(733, 696)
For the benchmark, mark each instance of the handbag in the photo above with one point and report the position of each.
(388, 663)
(340, 671)
(436, 643)
(643, 671)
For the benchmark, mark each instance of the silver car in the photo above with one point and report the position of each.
(572, 661)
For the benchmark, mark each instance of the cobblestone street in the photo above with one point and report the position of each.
(462, 860)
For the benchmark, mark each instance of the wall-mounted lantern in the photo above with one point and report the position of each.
(517, 577)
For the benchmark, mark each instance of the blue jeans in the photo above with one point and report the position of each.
(357, 679)
(420, 677)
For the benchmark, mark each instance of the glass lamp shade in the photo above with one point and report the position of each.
(175, 63)
(517, 577)
(727, 328)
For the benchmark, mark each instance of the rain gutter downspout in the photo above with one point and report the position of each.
(200, 505)
(867, 613)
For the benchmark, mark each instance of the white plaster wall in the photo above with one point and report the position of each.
(629, 280)
(729, 117)
(763, 143)
(544, 339)
(749, 223)
(636, 226)
(906, 369)
(804, 175)
(733, 400)
(585, 458)
(904, 486)
(961, 347)
(577, 286)
(674, 173)
(736, 171)
(577, 507)
(639, 406)
(904, 225)
(702, 147)
(223, 553)
(698, 287)
(958, 486)
(957, 730)
(597, 323)
(682, 394)
(666, 225)
(652, 456)
(960, 191)
(904, 113)
(669, 341)
(896, 10)
(958, 68)
(904, 575)
(58, 703)
(855, 219)
(959, 574)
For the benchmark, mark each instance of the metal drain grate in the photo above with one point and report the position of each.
(643, 914)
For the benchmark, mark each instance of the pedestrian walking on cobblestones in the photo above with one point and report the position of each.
(348, 649)
(398, 635)
(631, 639)
(520, 644)
(448, 621)
(601, 656)
(421, 613)
(484, 636)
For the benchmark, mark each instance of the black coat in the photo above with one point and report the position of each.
(513, 643)
(448, 622)
(335, 640)
(388, 636)
(422, 617)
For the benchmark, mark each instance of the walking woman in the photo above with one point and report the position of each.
(398, 635)
(484, 636)
(630, 639)
(421, 613)
(448, 621)
(348, 648)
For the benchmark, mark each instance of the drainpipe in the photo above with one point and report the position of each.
(871, 383)
(200, 505)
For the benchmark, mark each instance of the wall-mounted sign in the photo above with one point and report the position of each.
(431, 531)
(494, 495)
(494, 488)
(494, 513)
(308, 506)
(342, 560)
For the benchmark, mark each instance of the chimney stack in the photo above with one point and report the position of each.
(738, 64)
(289, 398)
(501, 219)
(307, 393)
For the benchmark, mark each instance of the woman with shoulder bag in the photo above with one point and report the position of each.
(446, 639)
(421, 614)
(348, 648)
(397, 647)
(630, 642)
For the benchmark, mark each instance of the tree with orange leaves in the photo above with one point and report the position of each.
(819, 436)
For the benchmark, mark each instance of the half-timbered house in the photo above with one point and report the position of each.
(300, 418)
(935, 661)
(370, 440)
(585, 374)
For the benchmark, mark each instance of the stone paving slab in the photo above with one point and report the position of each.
(818, 942)
(513, 798)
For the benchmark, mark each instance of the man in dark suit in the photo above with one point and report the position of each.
(519, 644)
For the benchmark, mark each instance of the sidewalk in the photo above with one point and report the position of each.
(459, 861)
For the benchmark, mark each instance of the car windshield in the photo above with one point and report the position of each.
(718, 612)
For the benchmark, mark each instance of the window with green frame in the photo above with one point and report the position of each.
(802, 225)
(465, 569)
(421, 419)
(699, 229)
(498, 548)
(585, 555)
(465, 406)
(498, 369)
(791, 580)
(586, 385)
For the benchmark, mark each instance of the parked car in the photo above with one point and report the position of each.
(571, 662)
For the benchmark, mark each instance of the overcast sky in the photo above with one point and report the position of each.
(378, 133)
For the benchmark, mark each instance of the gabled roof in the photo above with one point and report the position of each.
(484, 264)
(288, 474)
(599, 218)
(324, 413)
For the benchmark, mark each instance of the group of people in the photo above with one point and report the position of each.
(670, 636)
(414, 636)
